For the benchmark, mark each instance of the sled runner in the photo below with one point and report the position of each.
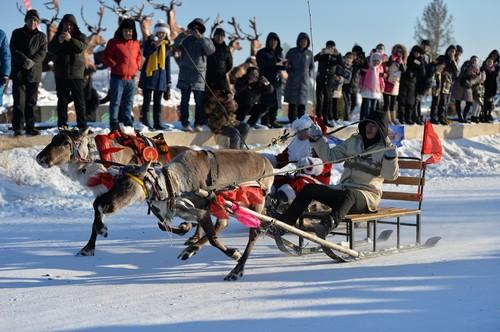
(413, 179)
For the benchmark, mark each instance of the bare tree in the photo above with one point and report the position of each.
(436, 25)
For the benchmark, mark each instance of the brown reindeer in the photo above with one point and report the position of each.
(184, 177)
(94, 39)
(169, 10)
(135, 13)
(255, 45)
(80, 154)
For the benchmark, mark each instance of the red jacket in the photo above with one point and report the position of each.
(123, 57)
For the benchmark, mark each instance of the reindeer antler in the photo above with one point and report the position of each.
(51, 5)
(139, 16)
(118, 9)
(20, 9)
(237, 35)
(94, 29)
(218, 22)
(253, 26)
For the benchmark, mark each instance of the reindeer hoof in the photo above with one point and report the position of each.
(192, 240)
(234, 275)
(234, 254)
(188, 253)
(86, 252)
(186, 227)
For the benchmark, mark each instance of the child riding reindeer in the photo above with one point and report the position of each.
(301, 154)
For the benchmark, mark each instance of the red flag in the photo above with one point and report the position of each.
(431, 144)
(27, 4)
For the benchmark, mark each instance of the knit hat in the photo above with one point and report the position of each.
(330, 43)
(127, 24)
(161, 26)
(197, 22)
(303, 123)
(376, 57)
(32, 13)
(219, 32)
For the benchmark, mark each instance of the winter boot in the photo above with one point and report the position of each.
(327, 224)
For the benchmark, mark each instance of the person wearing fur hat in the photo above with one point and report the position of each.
(123, 56)
(68, 48)
(192, 70)
(155, 79)
(301, 154)
(360, 187)
(372, 85)
(300, 66)
(393, 69)
(28, 47)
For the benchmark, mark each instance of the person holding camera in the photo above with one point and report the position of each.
(251, 88)
(192, 70)
(300, 66)
(68, 47)
(271, 65)
(329, 59)
(360, 187)
(155, 76)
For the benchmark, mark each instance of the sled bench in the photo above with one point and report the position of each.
(413, 178)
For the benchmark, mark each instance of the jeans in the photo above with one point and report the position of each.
(367, 106)
(341, 201)
(199, 114)
(25, 99)
(121, 97)
(67, 91)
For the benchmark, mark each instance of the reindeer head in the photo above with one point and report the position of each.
(63, 147)
(236, 36)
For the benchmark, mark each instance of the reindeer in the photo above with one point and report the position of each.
(79, 155)
(217, 23)
(255, 44)
(183, 178)
(235, 37)
(51, 29)
(135, 13)
(94, 39)
(169, 10)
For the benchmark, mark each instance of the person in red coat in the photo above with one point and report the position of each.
(299, 153)
(123, 56)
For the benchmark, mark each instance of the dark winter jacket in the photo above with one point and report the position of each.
(267, 61)
(219, 64)
(300, 71)
(25, 44)
(449, 75)
(161, 78)
(327, 65)
(462, 87)
(247, 95)
(219, 117)
(69, 56)
(193, 62)
(490, 84)
(408, 85)
(358, 66)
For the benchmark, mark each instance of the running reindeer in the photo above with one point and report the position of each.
(87, 159)
(172, 190)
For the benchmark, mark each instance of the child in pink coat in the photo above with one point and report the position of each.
(372, 85)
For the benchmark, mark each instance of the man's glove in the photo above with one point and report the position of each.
(390, 154)
(166, 94)
(315, 133)
(28, 64)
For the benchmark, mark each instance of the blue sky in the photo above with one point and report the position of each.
(365, 22)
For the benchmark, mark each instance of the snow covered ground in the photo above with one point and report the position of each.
(135, 282)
